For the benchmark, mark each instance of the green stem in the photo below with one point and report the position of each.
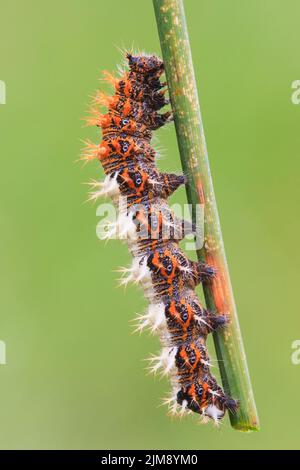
(218, 294)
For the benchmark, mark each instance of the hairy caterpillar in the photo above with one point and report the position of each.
(153, 234)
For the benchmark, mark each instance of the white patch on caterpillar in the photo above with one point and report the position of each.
(199, 319)
(164, 361)
(154, 318)
(130, 274)
(147, 285)
(183, 407)
(108, 187)
(186, 269)
(155, 182)
(214, 412)
(171, 401)
(137, 272)
(124, 227)
(156, 313)
(174, 408)
(144, 273)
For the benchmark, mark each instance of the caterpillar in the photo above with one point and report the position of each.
(153, 233)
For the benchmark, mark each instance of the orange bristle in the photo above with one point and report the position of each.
(103, 100)
(108, 77)
(97, 119)
(90, 151)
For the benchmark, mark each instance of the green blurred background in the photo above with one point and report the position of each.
(75, 375)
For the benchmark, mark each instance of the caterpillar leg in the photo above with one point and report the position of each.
(165, 184)
(201, 272)
(158, 120)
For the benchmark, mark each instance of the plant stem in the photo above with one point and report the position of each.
(218, 293)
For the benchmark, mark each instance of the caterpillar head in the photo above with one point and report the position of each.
(208, 321)
(205, 397)
(145, 64)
